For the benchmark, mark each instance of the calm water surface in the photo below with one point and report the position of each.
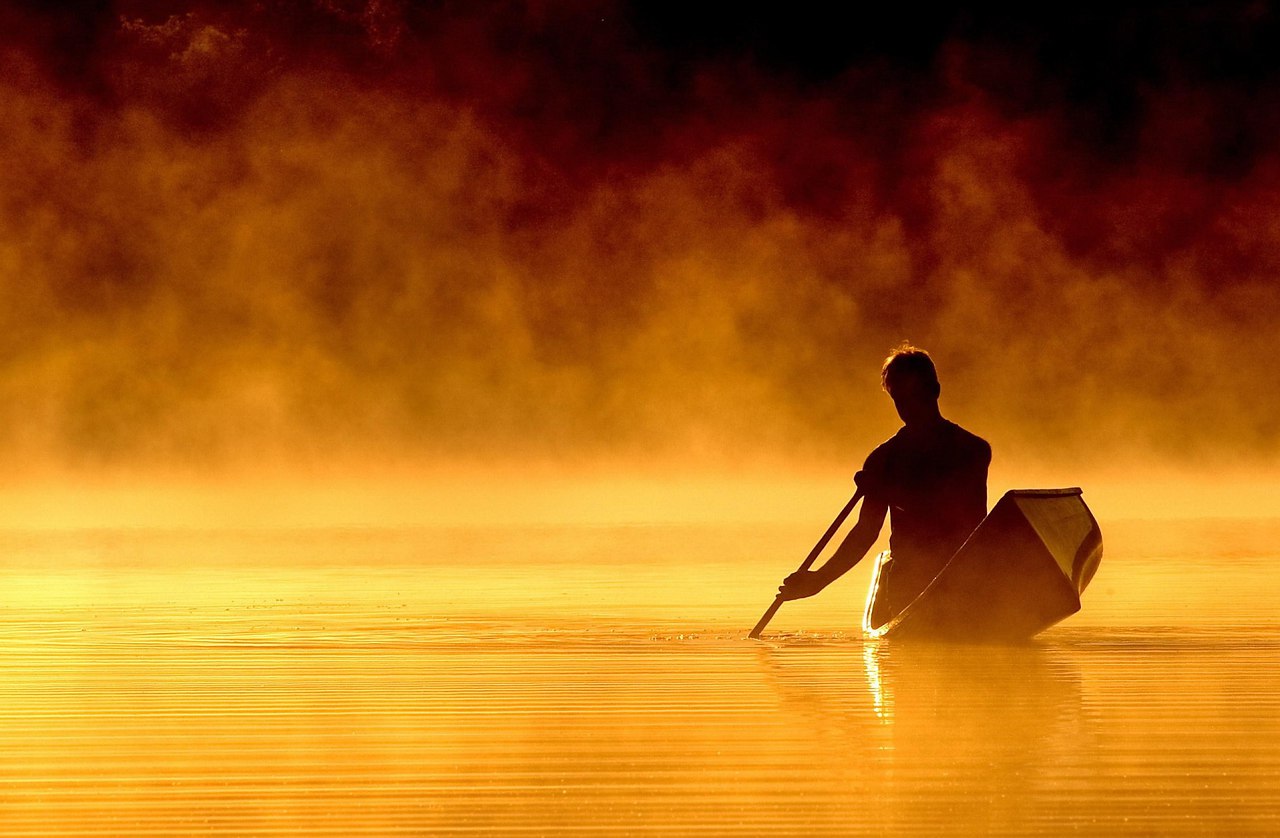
(596, 680)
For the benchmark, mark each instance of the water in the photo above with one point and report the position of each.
(552, 680)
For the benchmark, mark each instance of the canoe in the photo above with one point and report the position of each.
(1022, 570)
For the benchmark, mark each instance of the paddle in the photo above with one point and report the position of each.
(808, 561)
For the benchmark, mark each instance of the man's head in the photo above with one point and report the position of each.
(910, 379)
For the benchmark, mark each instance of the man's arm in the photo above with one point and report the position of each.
(806, 583)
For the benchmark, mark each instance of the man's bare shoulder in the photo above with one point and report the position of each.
(969, 442)
(884, 450)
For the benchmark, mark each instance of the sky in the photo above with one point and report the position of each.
(304, 234)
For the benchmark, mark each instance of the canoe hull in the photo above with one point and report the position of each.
(1021, 571)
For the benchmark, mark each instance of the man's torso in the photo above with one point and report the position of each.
(934, 481)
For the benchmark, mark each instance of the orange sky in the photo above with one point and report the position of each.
(328, 235)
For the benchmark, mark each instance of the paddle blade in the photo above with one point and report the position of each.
(768, 615)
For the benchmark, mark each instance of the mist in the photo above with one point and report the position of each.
(309, 236)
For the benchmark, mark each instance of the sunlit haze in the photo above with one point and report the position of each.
(318, 243)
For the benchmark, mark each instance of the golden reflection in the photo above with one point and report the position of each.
(148, 673)
(881, 697)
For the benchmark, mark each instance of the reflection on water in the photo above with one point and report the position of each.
(1013, 682)
(597, 680)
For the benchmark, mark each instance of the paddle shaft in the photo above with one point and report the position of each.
(808, 562)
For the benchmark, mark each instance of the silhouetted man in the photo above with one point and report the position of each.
(932, 474)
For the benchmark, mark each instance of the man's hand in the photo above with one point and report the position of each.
(801, 584)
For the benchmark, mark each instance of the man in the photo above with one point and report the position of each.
(932, 474)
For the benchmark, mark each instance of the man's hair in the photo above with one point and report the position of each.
(906, 359)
